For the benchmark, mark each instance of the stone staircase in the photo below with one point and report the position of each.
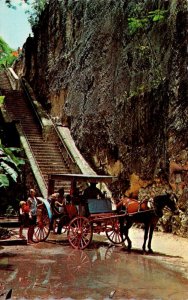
(48, 155)
(4, 81)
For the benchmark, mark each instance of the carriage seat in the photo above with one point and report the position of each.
(97, 206)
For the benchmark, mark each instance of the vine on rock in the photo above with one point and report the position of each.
(147, 21)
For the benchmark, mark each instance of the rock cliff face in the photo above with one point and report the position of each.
(121, 90)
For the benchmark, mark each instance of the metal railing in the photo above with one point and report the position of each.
(67, 156)
(29, 97)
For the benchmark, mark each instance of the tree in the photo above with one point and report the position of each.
(9, 165)
(35, 7)
(10, 3)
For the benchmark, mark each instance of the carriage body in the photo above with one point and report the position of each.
(99, 217)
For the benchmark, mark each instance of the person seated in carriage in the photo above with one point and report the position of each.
(61, 200)
(92, 192)
(63, 209)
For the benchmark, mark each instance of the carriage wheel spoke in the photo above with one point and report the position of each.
(113, 233)
(80, 233)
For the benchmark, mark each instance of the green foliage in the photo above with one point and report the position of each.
(2, 98)
(4, 181)
(10, 3)
(137, 23)
(6, 54)
(37, 7)
(9, 165)
(157, 15)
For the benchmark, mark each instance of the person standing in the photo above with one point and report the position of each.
(58, 204)
(32, 201)
(24, 212)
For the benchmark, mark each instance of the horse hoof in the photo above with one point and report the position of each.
(150, 251)
(126, 248)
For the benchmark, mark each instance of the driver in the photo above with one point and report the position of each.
(92, 192)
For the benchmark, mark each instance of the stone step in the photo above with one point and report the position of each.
(45, 156)
(47, 153)
(41, 145)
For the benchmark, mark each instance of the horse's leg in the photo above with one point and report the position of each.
(124, 230)
(145, 237)
(121, 223)
(150, 238)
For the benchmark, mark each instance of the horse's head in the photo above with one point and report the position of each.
(169, 200)
(172, 203)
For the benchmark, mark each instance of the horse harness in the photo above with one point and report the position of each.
(133, 206)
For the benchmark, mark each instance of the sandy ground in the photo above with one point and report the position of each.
(166, 243)
(169, 250)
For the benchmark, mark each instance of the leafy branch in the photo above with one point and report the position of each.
(37, 7)
(10, 4)
(145, 22)
(9, 165)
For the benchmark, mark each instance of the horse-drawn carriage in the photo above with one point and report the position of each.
(97, 215)
(93, 215)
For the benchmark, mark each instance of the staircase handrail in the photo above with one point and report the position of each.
(69, 155)
(13, 78)
(19, 128)
(30, 98)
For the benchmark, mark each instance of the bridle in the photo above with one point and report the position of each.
(173, 199)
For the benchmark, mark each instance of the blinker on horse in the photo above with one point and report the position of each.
(146, 212)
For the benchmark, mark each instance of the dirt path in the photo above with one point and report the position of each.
(169, 249)
(165, 243)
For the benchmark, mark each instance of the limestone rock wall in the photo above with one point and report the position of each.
(123, 95)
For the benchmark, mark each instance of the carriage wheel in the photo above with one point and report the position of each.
(42, 228)
(78, 263)
(113, 232)
(109, 252)
(80, 233)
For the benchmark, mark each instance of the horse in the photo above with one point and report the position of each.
(146, 212)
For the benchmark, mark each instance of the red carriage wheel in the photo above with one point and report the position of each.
(113, 232)
(109, 252)
(42, 228)
(80, 233)
(78, 263)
